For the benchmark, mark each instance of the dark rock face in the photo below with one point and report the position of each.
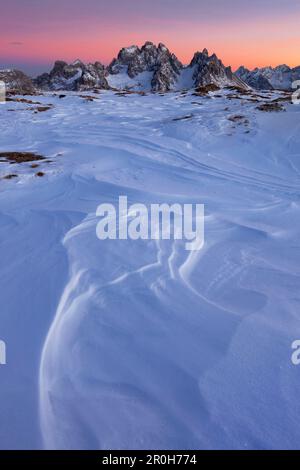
(74, 77)
(255, 79)
(159, 60)
(210, 70)
(17, 82)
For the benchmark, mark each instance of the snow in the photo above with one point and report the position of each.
(122, 81)
(140, 344)
(131, 49)
(185, 80)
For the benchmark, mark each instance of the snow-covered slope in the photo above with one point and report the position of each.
(141, 344)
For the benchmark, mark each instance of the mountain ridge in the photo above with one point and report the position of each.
(154, 69)
(280, 77)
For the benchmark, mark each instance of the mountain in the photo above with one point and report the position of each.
(267, 78)
(254, 78)
(149, 67)
(157, 69)
(74, 77)
(17, 82)
(210, 70)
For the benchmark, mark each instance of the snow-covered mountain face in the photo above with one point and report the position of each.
(17, 82)
(75, 77)
(150, 67)
(268, 78)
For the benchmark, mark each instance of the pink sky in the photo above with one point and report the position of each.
(257, 33)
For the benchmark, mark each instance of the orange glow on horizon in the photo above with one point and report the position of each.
(252, 45)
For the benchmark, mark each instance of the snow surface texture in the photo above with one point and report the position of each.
(141, 344)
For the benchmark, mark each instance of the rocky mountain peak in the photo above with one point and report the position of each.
(75, 76)
(268, 78)
(210, 70)
(17, 82)
(157, 60)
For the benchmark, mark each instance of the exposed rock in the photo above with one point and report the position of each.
(16, 82)
(255, 79)
(75, 77)
(20, 157)
(271, 107)
(268, 78)
(204, 90)
(163, 66)
(210, 70)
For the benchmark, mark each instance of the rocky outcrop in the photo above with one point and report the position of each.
(162, 65)
(208, 69)
(255, 79)
(74, 77)
(268, 78)
(17, 82)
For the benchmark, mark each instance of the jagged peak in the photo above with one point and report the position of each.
(78, 63)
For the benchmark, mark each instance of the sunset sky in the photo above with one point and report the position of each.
(34, 33)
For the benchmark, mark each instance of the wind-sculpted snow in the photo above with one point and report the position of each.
(123, 344)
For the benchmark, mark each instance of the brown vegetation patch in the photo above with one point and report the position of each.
(271, 107)
(20, 157)
(89, 97)
(234, 97)
(10, 177)
(240, 90)
(204, 90)
(283, 99)
(183, 118)
(22, 100)
(237, 118)
(42, 109)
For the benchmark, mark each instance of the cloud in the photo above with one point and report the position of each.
(16, 43)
